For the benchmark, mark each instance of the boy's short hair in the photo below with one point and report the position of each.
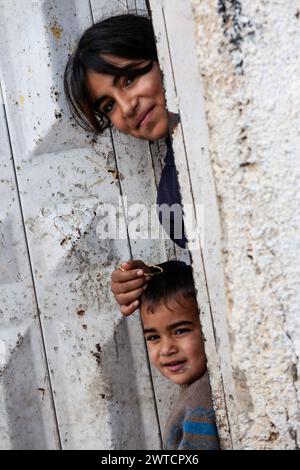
(175, 279)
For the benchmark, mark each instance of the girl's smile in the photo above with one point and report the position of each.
(135, 106)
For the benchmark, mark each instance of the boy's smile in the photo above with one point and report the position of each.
(174, 339)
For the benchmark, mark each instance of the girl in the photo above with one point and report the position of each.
(113, 78)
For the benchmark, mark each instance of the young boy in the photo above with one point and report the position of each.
(174, 338)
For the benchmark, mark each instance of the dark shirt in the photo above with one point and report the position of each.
(168, 193)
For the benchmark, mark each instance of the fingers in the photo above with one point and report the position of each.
(129, 297)
(133, 263)
(125, 276)
(128, 284)
(129, 309)
(123, 287)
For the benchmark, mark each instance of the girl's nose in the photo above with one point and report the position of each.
(128, 104)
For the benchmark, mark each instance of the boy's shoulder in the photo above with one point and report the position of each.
(193, 397)
(196, 394)
(191, 424)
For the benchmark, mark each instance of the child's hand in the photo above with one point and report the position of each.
(128, 284)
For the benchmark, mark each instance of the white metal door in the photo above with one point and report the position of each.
(73, 373)
(25, 390)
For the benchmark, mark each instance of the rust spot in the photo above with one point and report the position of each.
(114, 173)
(56, 30)
(294, 373)
(80, 312)
(20, 340)
(97, 354)
(243, 135)
(43, 391)
(250, 164)
(273, 436)
(64, 241)
(84, 327)
(57, 115)
(54, 93)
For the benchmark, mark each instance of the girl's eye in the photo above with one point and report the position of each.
(107, 108)
(152, 338)
(128, 81)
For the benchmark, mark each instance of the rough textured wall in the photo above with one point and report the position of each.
(249, 60)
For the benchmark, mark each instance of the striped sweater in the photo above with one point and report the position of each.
(191, 423)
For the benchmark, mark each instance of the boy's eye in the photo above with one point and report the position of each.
(152, 338)
(107, 108)
(180, 331)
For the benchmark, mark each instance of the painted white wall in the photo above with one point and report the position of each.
(248, 57)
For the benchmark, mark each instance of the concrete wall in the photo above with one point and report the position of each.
(248, 55)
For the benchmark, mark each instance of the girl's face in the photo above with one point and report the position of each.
(134, 106)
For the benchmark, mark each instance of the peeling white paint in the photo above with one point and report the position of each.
(99, 393)
(23, 368)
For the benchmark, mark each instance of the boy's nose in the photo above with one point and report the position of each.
(167, 348)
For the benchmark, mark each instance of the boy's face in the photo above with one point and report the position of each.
(174, 339)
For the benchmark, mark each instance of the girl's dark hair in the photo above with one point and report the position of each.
(127, 36)
(175, 280)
